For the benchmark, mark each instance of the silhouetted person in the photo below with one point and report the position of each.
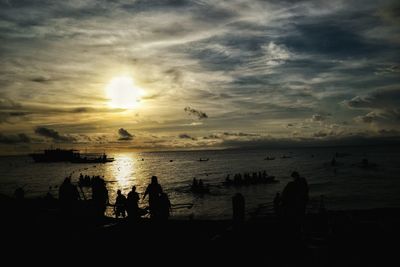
(294, 201)
(333, 162)
(201, 184)
(68, 195)
(132, 206)
(154, 191)
(99, 195)
(120, 205)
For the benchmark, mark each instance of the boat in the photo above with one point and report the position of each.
(203, 159)
(55, 155)
(244, 182)
(68, 155)
(269, 158)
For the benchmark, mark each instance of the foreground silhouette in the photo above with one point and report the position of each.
(328, 238)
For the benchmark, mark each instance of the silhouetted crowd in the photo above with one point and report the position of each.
(290, 205)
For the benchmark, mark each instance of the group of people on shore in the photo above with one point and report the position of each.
(86, 180)
(290, 204)
(159, 204)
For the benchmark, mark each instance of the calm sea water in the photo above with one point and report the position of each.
(350, 186)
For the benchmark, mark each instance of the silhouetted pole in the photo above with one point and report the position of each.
(238, 209)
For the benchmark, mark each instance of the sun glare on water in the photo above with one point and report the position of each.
(123, 93)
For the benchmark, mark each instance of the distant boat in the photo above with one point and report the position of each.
(286, 157)
(68, 155)
(269, 158)
(55, 155)
(203, 159)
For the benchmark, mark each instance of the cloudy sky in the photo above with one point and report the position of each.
(176, 74)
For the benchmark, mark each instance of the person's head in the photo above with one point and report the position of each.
(119, 192)
(295, 175)
(154, 179)
(134, 188)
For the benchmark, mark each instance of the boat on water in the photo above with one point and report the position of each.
(69, 155)
(269, 158)
(206, 159)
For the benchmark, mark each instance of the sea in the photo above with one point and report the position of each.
(348, 184)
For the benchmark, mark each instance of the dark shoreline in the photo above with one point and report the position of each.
(334, 238)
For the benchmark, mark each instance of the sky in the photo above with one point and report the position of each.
(175, 74)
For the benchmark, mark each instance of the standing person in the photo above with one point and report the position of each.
(99, 196)
(120, 205)
(294, 201)
(68, 196)
(132, 206)
(154, 191)
(295, 196)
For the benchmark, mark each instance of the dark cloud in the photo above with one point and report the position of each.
(124, 135)
(6, 116)
(383, 104)
(53, 134)
(368, 118)
(81, 110)
(381, 99)
(320, 134)
(240, 134)
(40, 79)
(199, 114)
(186, 136)
(14, 139)
(212, 136)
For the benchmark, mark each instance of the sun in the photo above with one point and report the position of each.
(123, 93)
